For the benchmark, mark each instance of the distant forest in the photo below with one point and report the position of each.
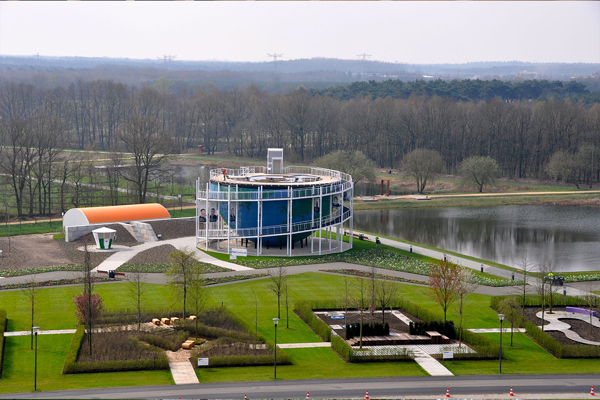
(520, 135)
(466, 90)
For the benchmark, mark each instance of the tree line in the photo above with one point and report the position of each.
(37, 123)
(465, 90)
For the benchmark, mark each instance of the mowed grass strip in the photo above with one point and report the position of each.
(311, 363)
(18, 372)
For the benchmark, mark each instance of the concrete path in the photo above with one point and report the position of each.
(52, 332)
(430, 364)
(570, 290)
(303, 345)
(182, 371)
(125, 254)
(557, 325)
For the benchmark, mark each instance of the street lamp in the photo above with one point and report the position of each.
(501, 316)
(275, 321)
(36, 329)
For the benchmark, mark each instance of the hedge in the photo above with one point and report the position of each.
(419, 328)
(543, 338)
(305, 311)
(2, 339)
(71, 366)
(341, 347)
(374, 329)
(283, 358)
(484, 347)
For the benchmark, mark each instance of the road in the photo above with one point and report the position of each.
(524, 386)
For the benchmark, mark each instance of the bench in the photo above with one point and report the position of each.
(174, 319)
(192, 317)
(156, 321)
(583, 311)
(166, 321)
(188, 344)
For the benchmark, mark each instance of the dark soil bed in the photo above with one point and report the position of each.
(354, 318)
(580, 327)
(158, 254)
(174, 228)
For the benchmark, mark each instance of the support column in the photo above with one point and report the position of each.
(228, 213)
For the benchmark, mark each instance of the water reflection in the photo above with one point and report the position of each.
(566, 235)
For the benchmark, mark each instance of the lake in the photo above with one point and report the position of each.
(568, 236)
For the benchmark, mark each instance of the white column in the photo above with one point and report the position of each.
(320, 217)
(207, 214)
(228, 218)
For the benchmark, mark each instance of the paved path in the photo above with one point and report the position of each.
(53, 332)
(557, 325)
(571, 290)
(182, 370)
(303, 345)
(125, 254)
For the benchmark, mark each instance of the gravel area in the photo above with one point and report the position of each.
(174, 228)
(124, 238)
(158, 254)
(582, 328)
(75, 256)
(13, 259)
(354, 318)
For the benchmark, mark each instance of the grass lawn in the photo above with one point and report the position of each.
(31, 228)
(311, 363)
(524, 357)
(18, 372)
(55, 311)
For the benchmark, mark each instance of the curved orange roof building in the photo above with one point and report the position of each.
(99, 215)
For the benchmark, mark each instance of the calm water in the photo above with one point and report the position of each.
(569, 236)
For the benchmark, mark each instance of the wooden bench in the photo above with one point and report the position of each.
(188, 344)
(174, 319)
(166, 321)
(583, 311)
(156, 321)
(192, 317)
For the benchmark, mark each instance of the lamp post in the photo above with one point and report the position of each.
(36, 329)
(275, 321)
(501, 316)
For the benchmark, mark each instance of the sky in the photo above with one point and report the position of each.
(393, 31)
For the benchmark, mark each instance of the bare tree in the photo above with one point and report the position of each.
(525, 270)
(359, 298)
(590, 299)
(180, 274)
(277, 285)
(353, 163)
(138, 280)
(386, 294)
(464, 285)
(510, 307)
(443, 281)
(31, 292)
(422, 165)
(149, 145)
(197, 292)
(479, 171)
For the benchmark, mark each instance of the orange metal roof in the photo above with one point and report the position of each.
(125, 213)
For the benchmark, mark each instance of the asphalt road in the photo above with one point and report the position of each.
(524, 386)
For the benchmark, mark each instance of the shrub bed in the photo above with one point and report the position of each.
(379, 258)
(419, 328)
(374, 329)
(148, 357)
(2, 339)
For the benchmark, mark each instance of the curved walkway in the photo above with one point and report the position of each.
(556, 325)
(125, 254)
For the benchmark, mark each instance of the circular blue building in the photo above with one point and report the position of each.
(272, 208)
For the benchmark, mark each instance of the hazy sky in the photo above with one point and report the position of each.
(411, 32)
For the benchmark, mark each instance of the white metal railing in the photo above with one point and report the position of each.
(248, 171)
(233, 195)
(219, 229)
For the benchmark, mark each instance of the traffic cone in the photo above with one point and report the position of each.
(592, 391)
(448, 392)
(245, 398)
(367, 395)
(307, 395)
(511, 392)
